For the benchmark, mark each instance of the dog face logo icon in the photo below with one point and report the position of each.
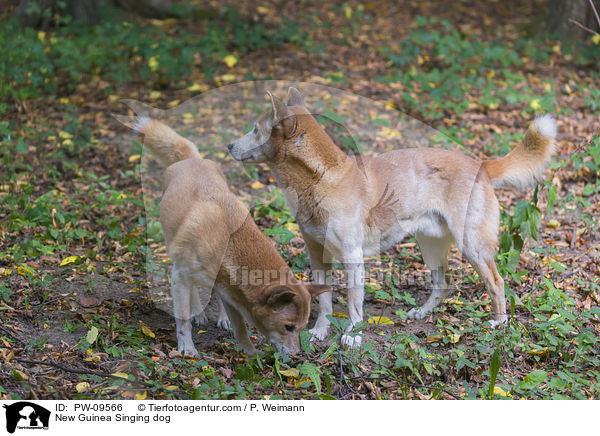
(26, 415)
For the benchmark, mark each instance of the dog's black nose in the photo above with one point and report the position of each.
(230, 146)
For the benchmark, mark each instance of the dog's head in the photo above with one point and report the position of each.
(284, 313)
(274, 132)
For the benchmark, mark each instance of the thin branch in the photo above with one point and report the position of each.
(12, 336)
(78, 371)
(595, 12)
(583, 27)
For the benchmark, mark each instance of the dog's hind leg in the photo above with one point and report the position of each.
(223, 321)
(435, 255)
(181, 291)
(494, 284)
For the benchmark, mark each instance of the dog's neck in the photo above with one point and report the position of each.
(316, 164)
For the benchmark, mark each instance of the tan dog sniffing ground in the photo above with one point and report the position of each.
(349, 208)
(211, 239)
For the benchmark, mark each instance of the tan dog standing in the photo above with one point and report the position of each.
(348, 207)
(212, 240)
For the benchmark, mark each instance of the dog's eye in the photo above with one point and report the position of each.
(290, 327)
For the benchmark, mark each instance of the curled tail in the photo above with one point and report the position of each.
(524, 165)
(167, 146)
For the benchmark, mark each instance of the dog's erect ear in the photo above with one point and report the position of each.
(315, 290)
(280, 109)
(280, 296)
(294, 97)
(282, 114)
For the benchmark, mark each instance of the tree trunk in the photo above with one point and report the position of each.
(560, 11)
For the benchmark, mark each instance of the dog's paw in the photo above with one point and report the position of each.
(201, 318)
(498, 322)
(224, 323)
(417, 313)
(188, 351)
(352, 341)
(319, 332)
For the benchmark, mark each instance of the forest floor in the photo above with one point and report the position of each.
(83, 288)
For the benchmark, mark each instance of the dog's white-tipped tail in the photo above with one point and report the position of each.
(167, 146)
(525, 164)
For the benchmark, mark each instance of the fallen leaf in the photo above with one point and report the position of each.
(68, 260)
(83, 386)
(292, 372)
(380, 320)
(92, 335)
(146, 330)
(230, 60)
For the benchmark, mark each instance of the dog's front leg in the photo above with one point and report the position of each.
(355, 277)
(322, 274)
(240, 331)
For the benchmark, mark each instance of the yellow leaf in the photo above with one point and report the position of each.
(67, 142)
(499, 391)
(300, 276)
(433, 338)
(68, 260)
(64, 100)
(197, 87)
(153, 63)
(25, 270)
(389, 104)
(83, 386)
(187, 116)
(41, 35)
(134, 157)
(380, 320)
(568, 89)
(292, 372)
(596, 39)
(535, 104)
(155, 95)
(292, 227)
(172, 103)
(339, 315)
(4, 272)
(230, 60)
(171, 388)
(454, 338)
(348, 12)
(553, 224)
(141, 395)
(113, 98)
(120, 375)
(227, 77)
(201, 331)
(146, 330)
(92, 335)
(257, 185)
(64, 135)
